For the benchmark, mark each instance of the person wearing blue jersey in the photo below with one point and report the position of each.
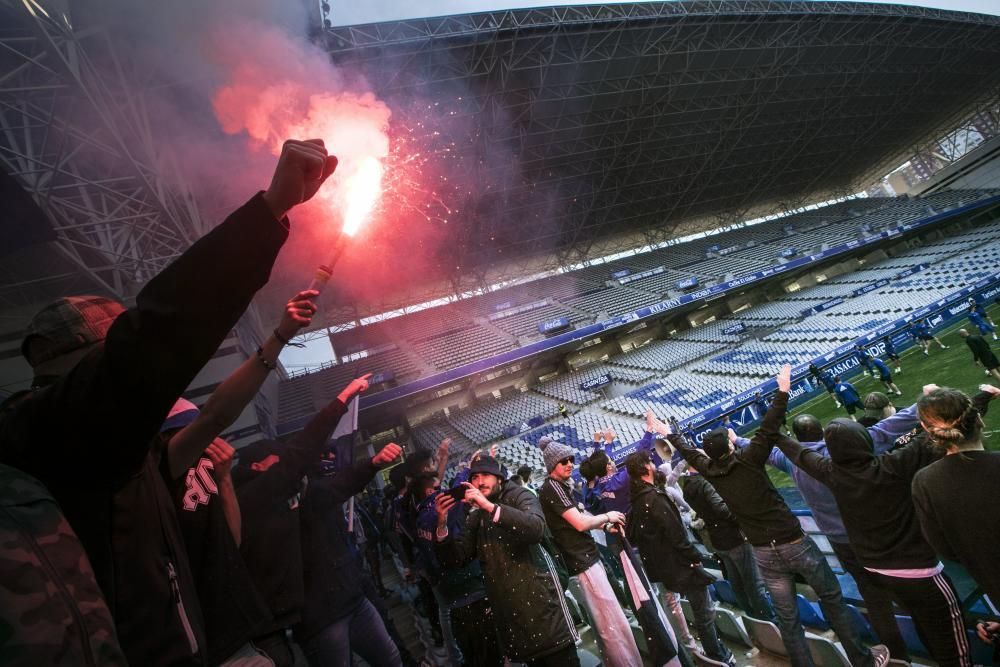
(921, 331)
(760, 404)
(978, 308)
(890, 352)
(825, 378)
(885, 375)
(981, 323)
(864, 359)
(848, 395)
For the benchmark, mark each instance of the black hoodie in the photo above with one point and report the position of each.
(743, 483)
(270, 508)
(872, 492)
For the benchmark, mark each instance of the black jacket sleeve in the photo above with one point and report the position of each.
(302, 450)
(717, 507)
(812, 463)
(522, 519)
(98, 419)
(671, 530)
(763, 440)
(695, 458)
(329, 491)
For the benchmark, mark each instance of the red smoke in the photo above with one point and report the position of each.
(280, 88)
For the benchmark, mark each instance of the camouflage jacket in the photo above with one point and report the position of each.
(51, 610)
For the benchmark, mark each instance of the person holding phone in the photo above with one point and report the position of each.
(504, 530)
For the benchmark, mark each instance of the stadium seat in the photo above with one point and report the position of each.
(908, 629)
(861, 624)
(810, 614)
(724, 592)
(765, 636)
(730, 627)
(825, 653)
(982, 653)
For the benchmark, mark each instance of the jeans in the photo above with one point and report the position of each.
(779, 563)
(878, 601)
(936, 612)
(361, 632)
(704, 623)
(444, 615)
(748, 587)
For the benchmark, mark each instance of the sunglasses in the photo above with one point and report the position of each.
(566, 461)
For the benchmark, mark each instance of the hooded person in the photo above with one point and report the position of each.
(270, 483)
(780, 547)
(873, 494)
(504, 530)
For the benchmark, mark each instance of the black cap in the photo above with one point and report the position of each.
(488, 465)
(715, 443)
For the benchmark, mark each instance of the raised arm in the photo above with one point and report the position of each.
(763, 440)
(100, 417)
(696, 458)
(885, 432)
(336, 489)
(220, 453)
(442, 458)
(306, 446)
(229, 399)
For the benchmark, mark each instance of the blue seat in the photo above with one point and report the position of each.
(724, 592)
(861, 625)
(982, 653)
(810, 614)
(908, 629)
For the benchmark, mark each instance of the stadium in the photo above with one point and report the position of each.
(590, 213)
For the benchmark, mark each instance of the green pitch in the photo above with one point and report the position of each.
(947, 368)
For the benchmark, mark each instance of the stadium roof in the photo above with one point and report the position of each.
(546, 136)
(583, 130)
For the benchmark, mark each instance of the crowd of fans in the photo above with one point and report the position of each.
(134, 534)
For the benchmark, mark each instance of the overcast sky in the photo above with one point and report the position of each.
(348, 13)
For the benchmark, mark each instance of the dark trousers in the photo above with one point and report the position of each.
(779, 563)
(704, 622)
(748, 587)
(934, 606)
(277, 647)
(565, 657)
(361, 632)
(476, 635)
(878, 601)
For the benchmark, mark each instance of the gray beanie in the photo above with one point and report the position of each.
(553, 452)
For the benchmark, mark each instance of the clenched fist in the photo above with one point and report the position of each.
(302, 168)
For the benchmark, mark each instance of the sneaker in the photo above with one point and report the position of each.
(838, 402)
(945, 347)
(898, 369)
(880, 655)
(926, 353)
